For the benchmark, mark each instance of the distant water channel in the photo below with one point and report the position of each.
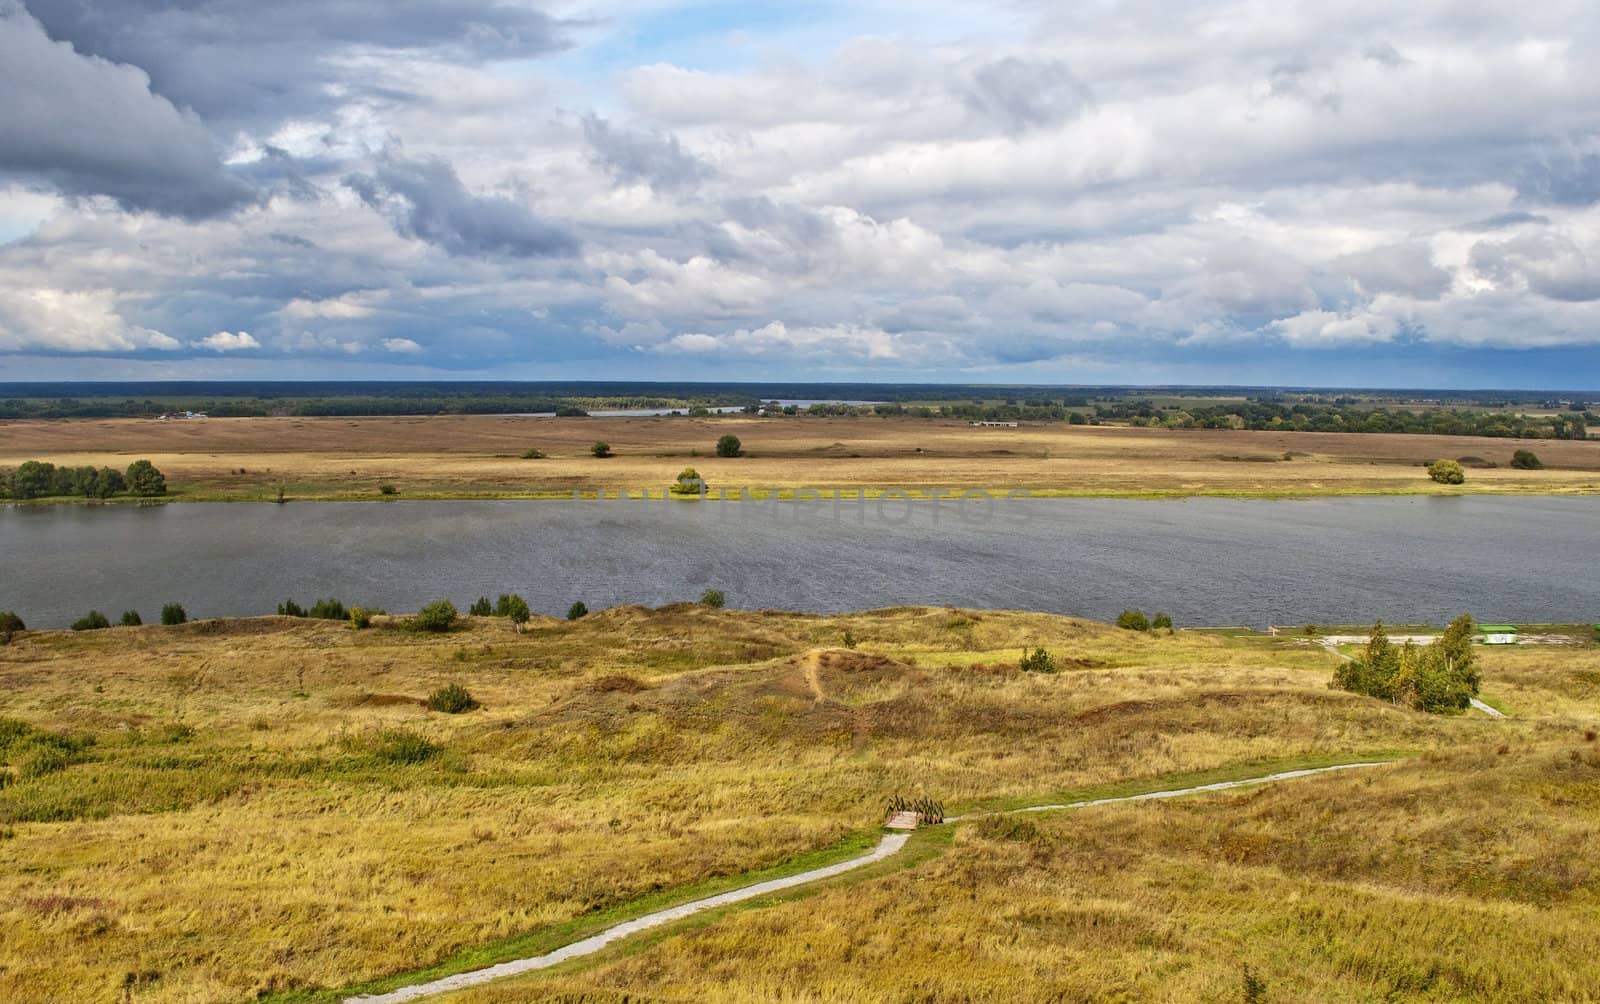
(1205, 561)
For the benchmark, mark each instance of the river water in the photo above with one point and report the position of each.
(1204, 561)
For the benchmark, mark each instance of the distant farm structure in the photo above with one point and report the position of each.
(994, 425)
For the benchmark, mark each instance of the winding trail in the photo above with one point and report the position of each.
(889, 846)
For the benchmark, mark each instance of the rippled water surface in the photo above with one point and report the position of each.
(1206, 561)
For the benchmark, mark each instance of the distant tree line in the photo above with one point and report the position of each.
(37, 479)
(1304, 417)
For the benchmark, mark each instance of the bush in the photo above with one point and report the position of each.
(713, 598)
(10, 624)
(601, 449)
(437, 616)
(144, 480)
(577, 611)
(387, 489)
(689, 483)
(729, 446)
(39, 761)
(173, 613)
(360, 618)
(328, 610)
(1133, 620)
(1037, 661)
(515, 608)
(1161, 621)
(400, 747)
(91, 621)
(452, 699)
(131, 618)
(533, 455)
(1526, 460)
(481, 607)
(289, 608)
(1447, 472)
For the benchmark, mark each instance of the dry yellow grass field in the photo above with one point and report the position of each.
(266, 809)
(479, 456)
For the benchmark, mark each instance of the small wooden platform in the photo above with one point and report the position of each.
(903, 821)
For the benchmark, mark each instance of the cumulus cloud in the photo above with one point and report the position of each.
(425, 200)
(404, 346)
(88, 126)
(632, 156)
(75, 321)
(228, 341)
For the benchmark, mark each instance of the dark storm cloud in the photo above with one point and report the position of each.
(424, 199)
(1024, 94)
(630, 156)
(245, 58)
(86, 126)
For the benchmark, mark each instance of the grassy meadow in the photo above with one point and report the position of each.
(251, 459)
(265, 808)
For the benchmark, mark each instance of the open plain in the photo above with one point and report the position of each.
(264, 808)
(481, 457)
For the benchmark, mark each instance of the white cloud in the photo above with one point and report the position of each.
(405, 346)
(228, 341)
(58, 320)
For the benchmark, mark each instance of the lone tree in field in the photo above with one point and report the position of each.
(10, 624)
(689, 483)
(1447, 472)
(601, 449)
(577, 611)
(729, 446)
(1526, 460)
(1441, 678)
(515, 609)
(144, 480)
(173, 613)
(714, 599)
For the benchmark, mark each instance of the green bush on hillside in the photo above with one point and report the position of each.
(1037, 661)
(1447, 472)
(1133, 620)
(437, 616)
(481, 607)
(1526, 460)
(713, 598)
(577, 611)
(131, 618)
(729, 446)
(173, 613)
(10, 624)
(94, 620)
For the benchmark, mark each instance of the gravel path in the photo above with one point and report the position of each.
(890, 845)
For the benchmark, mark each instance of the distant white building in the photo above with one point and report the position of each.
(994, 425)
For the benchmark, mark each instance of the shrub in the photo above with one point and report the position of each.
(1133, 620)
(533, 455)
(328, 610)
(131, 618)
(144, 480)
(91, 621)
(577, 611)
(173, 613)
(1447, 472)
(849, 640)
(39, 761)
(10, 624)
(400, 747)
(515, 608)
(452, 699)
(437, 616)
(713, 598)
(689, 483)
(1037, 661)
(1161, 621)
(1526, 460)
(388, 489)
(360, 618)
(601, 449)
(729, 446)
(289, 608)
(481, 607)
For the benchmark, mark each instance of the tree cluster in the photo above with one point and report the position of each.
(1441, 678)
(37, 479)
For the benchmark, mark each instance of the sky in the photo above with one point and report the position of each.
(1359, 194)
